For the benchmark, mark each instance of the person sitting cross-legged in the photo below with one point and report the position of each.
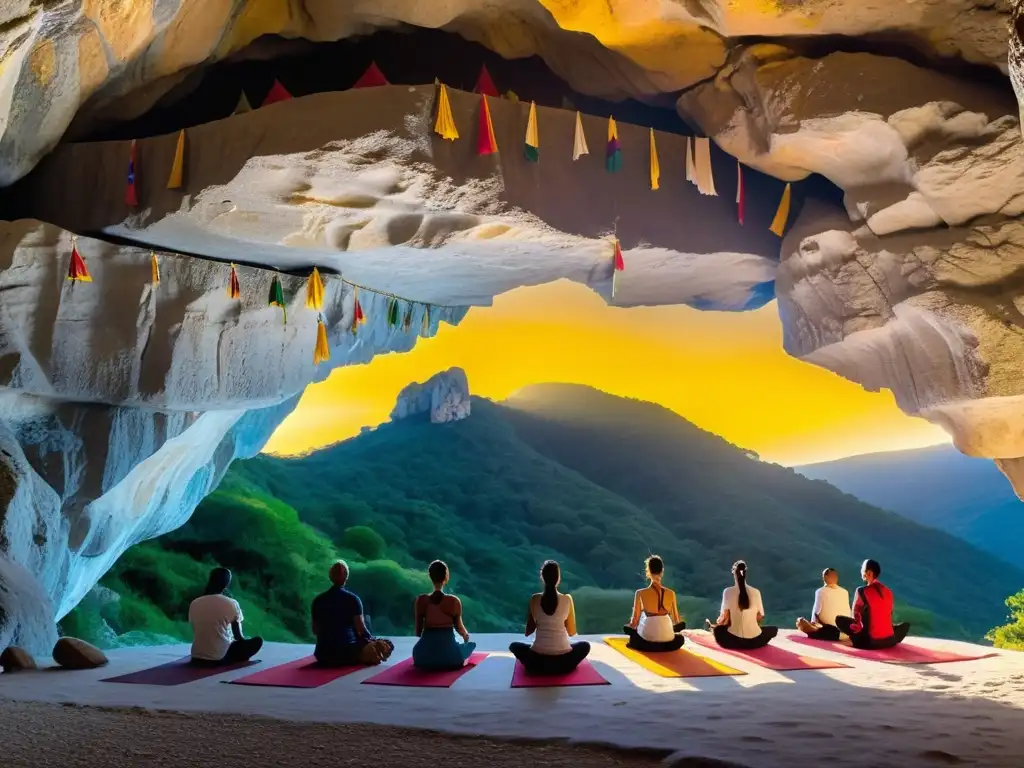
(553, 617)
(871, 626)
(830, 602)
(739, 623)
(655, 621)
(216, 620)
(438, 618)
(342, 637)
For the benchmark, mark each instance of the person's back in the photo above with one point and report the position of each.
(743, 621)
(871, 625)
(334, 614)
(831, 601)
(211, 617)
(440, 615)
(552, 637)
(879, 601)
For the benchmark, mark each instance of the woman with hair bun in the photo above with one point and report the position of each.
(553, 617)
(655, 621)
(438, 620)
(739, 624)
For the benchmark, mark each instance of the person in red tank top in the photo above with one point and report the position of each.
(871, 625)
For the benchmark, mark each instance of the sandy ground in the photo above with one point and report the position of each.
(968, 713)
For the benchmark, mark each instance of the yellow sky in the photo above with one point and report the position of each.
(726, 372)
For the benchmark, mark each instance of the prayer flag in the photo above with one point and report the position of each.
(782, 214)
(371, 78)
(485, 85)
(579, 142)
(358, 318)
(178, 166)
(322, 351)
(77, 271)
(243, 105)
(276, 297)
(407, 319)
(613, 152)
(740, 193)
(486, 144)
(154, 266)
(426, 320)
(276, 93)
(532, 149)
(234, 289)
(315, 291)
(393, 313)
(130, 198)
(691, 172)
(445, 124)
(620, 264)
(512, 96)
(655, 166)
(702, 161)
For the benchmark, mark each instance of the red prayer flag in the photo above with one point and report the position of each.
(358, 312)
(77, 271)
(486, 144)
(372, 77)
(620, 265)
(276, 93)
(485, 85)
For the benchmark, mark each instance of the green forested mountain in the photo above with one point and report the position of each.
(561, 471)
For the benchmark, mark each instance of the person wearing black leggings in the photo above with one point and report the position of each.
(656, 622)
(553, 617)
(739, 623)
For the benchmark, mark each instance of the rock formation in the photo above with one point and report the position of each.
(445, 396)
(123, 404)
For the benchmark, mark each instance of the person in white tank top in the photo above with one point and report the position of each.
(655, 623)
(739, 622)
(552, 616)
(830, 601)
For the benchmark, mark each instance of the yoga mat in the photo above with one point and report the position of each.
(175, 673)
(679, 663)
(405, 674)
(768, 657)
(901, 654)
(584, 674)
(302, 673)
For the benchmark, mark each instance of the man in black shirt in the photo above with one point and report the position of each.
(342, 638)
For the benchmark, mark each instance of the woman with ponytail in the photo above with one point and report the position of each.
(655, 619)
(739, 625)
(438, 619)
(553, 617)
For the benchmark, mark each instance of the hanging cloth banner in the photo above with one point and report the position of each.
(371, 78)
(579, 141)
(782, 214)
(234, 289)
(445, 123)
(358, 318)
(741, 202)
(691, 172)
(485, 85)
(276, 93)
(426, 320)
(77, 271)
(154, 266)
(618, 265)
(178, 166)
(276, 297)
(532, 148)
(613, 152)
(655, 166)
(322, 351)
(243, 105)
(130, 198)
(407, 319)
(393, 313)
(486, 144)
(315, 291)
(702, 163)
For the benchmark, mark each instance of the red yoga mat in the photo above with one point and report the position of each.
(584, 674)
(175, 673)
(405, 674)
(900, 654)
(303, 673)
(768, 657)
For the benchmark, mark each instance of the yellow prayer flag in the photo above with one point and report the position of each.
(154, 267)
(782, 214)
(445, 124)
(322, 351)
(655, 166)
(315, 291)
(178, 166)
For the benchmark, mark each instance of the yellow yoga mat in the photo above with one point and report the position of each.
(679, 663)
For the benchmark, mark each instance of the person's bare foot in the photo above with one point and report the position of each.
(707, 625)
(805, 626)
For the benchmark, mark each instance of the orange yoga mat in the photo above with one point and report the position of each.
(681, 663)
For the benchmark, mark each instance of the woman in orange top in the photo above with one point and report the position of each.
(656, 622)
(438, 619)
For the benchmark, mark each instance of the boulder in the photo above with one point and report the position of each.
(72, 653)
(444, 395)
(16, 659)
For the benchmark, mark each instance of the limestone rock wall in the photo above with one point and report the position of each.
(445, 396)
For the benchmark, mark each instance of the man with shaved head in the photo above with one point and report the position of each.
(342, 638)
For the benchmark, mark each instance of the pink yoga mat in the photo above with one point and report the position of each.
(584, 674)
(175, 673)
(302, 673)
(901, 654)
(405, 674)
(768, 657)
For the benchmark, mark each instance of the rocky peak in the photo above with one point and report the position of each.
(444, 395)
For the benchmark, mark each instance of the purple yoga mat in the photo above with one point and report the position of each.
(302, 673)
(584, 674)
(405, 674)
(175, 672)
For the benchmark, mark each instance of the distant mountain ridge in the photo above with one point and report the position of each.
(937, 486)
